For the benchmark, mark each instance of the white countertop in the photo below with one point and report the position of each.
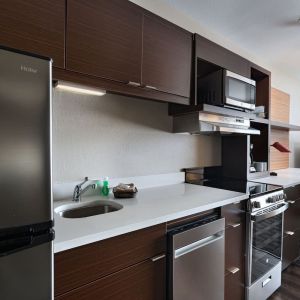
(151, 206)
(286, 178)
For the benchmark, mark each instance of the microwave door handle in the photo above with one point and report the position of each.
(270, 214)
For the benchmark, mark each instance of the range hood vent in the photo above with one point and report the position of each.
(205, 123)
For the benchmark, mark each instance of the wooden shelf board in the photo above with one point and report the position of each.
(261, 121)
(284, 126)
(257, 175)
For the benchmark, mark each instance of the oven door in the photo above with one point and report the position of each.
(239, 91)
(265, 241)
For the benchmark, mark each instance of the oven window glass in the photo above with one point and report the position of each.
(266, 246)
(240, 91)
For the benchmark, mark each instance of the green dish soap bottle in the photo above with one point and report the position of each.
(105, 187)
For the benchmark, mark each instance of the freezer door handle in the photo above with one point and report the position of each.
(13, 245)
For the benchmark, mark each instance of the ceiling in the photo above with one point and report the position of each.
(267, 29)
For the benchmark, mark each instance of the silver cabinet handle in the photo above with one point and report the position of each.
(233, 270)
(289, 233)
(198, 244)
(133, 83)
(151, 87)
(264, 283)
(291, 201)
(158, 257)
(234, 225)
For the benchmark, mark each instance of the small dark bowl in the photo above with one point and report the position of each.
(124, 194)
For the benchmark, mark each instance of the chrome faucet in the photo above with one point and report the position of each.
(79, 191)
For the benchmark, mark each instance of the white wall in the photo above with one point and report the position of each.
(117, 136)
(280, 80)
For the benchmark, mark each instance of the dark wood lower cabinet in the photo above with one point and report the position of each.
(291, 235)
(234, 286)
(291, 249)
(234, 251)
(143, 281)
(130, 266)
(133, 266)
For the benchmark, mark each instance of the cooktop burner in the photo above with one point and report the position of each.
(208, 177)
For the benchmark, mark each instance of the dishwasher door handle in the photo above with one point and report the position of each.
(198, 244)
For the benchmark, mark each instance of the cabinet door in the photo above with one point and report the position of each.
(215, 54)
(81, 265)
(104, 38)
(290, 249)
(144, 281)
(234, 250)
(34, 26)
(167, 57)
(291, 240)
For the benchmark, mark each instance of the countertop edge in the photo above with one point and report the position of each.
(85, 240)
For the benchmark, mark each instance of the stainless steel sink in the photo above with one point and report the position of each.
(87, 209)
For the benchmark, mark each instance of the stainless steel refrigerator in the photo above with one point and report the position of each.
(26, 217)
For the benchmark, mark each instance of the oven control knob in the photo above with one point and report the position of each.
(272, 199)
(282, 197)
(256, 204)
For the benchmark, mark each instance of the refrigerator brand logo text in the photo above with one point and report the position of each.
(28, 69)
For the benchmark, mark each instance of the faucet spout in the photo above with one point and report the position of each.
(79, 191)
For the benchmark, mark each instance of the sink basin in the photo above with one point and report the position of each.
(87, 209)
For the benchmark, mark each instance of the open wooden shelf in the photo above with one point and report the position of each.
(284, 126)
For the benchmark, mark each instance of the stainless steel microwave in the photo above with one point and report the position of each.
(225, 88)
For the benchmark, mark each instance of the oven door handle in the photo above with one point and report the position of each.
(270, 214)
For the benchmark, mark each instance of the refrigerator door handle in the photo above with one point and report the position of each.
(14, 245)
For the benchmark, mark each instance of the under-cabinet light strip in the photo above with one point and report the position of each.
(79, 89)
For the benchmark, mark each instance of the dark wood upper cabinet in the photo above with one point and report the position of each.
(104, 39)
(34, 26)
(167, 56)
(220, 56)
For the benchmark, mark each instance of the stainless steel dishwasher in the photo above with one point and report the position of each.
(196, 260)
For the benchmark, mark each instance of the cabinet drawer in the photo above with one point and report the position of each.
(79, 266)
(142, 281)
(234, 213)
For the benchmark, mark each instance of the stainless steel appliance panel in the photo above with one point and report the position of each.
(25, 126)
(198, 262)
(265, 286)
(27, 274)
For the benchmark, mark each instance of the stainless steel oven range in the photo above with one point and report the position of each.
(265, 213)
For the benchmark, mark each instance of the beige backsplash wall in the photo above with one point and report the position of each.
(117, 136)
